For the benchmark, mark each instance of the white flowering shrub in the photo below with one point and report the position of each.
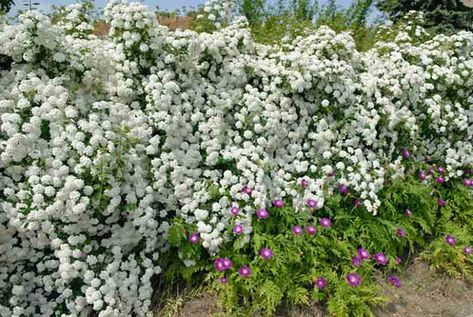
(104, 140)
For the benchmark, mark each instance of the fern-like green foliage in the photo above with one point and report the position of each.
(298, 260)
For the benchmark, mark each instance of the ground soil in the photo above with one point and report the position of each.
(423, 294)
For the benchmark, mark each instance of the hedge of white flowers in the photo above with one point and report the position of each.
(104, 140)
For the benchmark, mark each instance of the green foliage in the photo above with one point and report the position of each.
(5, 6)
(280, 21)
(298, 260)
(253, 10)
(441, 15)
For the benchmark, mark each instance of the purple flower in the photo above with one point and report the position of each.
(422, 176)
(441, 202)
(235, 210)
(353, 279)
(278, 203)
(266, 253)
(363, 253)
(238, 229)
(405, 154)
(304, 183)
(218, 265)
(227, 263)
(431, 170)
(356, 261)
(357, 203)
(325, 222)
(262, 213)
(400, 233)
(380, 258)
(450, 240)
(194, 238)
(408, 213)
(223, 280)
(343, 189)
(440, 180)
(311, 203)
(245, 271)
(394, 281)
(246, 190)
(398, 260)
(222, 264)
(441, 170)
(468, 250)
(321, 283)
(297, 230)
(468, 182)
(311, 230)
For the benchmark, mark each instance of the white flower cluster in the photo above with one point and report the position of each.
(219, 12)
(104, 140)
(76, 19)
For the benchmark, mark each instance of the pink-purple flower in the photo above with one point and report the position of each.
(440, 180)
(311, 230)
(262, 213)
(357, 261)
(235, 210)
(353, 279)
(223, 280)
(304, 183)
(422, 176)
(468, 182)
(297, 230)
(223, 264)
(311, 203)
(468, 250)
(441, 170)
(320, 283)
(441, 202)
(357, 202)
(343, 189)
(194, 238)
(266, 253)
(394, 281)
(278, 203)
(380, 258)
(363, 253)
(238, 229)
(450, 240)
(245, 271)
(430, 170)
(400, 233)
(325, 222)
(246, 190)
(405, 153)
(408, 213)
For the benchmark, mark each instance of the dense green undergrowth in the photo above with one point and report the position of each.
(411, 223)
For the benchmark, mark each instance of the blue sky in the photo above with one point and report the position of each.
(163, 4)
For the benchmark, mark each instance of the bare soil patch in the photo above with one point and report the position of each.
(423, 294)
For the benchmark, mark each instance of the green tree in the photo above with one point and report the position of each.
(5, 5)
(442, 15)
(253, 10)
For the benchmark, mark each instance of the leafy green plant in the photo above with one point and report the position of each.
(410, 221)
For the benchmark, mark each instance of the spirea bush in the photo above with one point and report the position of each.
(108, 145)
